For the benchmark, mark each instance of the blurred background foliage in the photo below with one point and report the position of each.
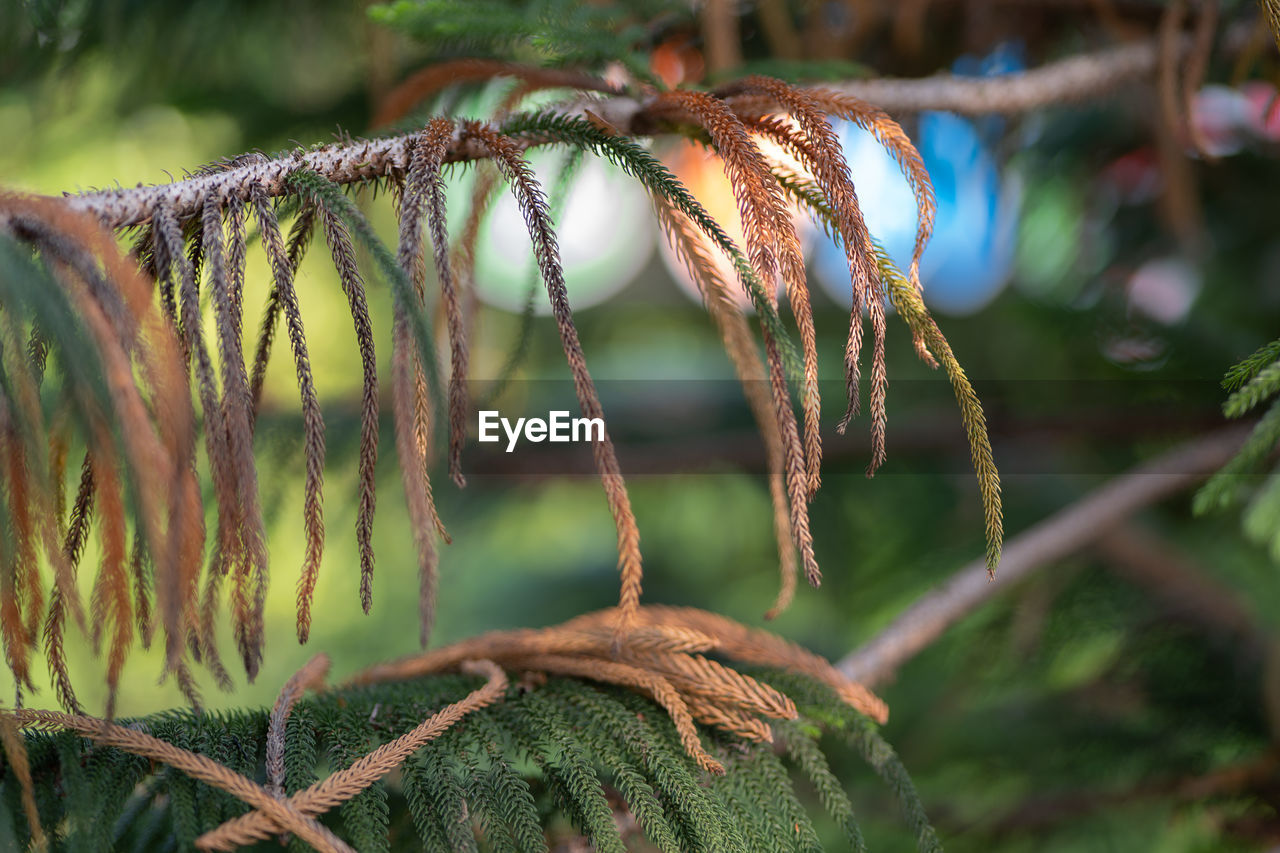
(1080, 710)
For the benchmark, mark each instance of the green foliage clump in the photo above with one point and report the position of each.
(1251, 382)
(550, 32)
(606, 761)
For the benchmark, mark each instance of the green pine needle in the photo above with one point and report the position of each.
(1226, 486)
(1264, 384)
(482, 784)
(325, 192)
(1249, 367)
(658, 180)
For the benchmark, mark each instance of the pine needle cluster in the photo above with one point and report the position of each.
(551, 33)
(112, 360)
(1251, 383)
(601, 759)
(81, 328)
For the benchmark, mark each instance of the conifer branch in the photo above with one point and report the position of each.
(198, 766)
(1071, 80)
(772, 250)
(584, 739)
(310, 676)
(366, 770)
(1074, 79)
(689, 688)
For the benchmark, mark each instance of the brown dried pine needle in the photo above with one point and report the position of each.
(424, 189)
(344, 259)
(676, 663)
(772, 244)
(153, 351)
(693, 248)
(506, 153)
(115, 303)
(310, 677)
(201, 767)
(867, 290)
(410, 395)
(341, 786)
(282, 269)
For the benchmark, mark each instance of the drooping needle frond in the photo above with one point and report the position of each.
(533, 205)
(83, 322)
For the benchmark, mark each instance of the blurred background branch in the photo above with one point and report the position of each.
(1044, 544)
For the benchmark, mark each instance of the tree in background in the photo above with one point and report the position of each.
(136, 363)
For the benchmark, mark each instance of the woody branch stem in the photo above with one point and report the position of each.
(1077, 78)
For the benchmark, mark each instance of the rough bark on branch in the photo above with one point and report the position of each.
(1077, 78)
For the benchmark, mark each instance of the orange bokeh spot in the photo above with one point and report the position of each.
(702, 173)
